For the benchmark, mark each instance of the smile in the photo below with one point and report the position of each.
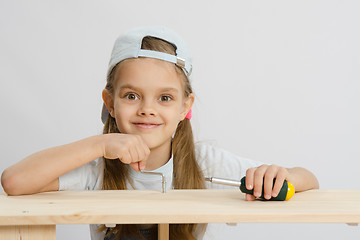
(147, 125)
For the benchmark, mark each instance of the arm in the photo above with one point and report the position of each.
(41, 171)
(301, 178)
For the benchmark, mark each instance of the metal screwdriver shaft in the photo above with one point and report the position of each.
(286, 192)
(223, 181)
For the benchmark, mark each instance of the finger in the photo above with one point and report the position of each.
(136, 150)
(280, 178)
(142, 165)
(135, 166)
(125, 157)
(269, 180)
(134, 154)
(141, 152)
(249, 179)
(249, 197)
(259, 179)
(142, 159)
(144, 152)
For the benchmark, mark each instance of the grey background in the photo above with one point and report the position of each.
(276, 81)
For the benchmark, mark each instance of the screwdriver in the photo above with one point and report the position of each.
(286, 192)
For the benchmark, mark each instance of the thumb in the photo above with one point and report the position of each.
(249, 197)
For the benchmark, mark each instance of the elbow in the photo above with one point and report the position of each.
(9, 184)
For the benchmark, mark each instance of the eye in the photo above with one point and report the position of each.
(165, 98)
(131, 96)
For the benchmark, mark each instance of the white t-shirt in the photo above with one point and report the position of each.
(213, 161)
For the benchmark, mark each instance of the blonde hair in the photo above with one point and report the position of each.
(186, 172)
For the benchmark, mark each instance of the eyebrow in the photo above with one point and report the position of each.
(166, 89)
(129, 86)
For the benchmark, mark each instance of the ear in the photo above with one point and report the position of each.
(188, 103)
(108, 101)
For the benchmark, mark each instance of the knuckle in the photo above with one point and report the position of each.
(283, 170)
(262, 169)
(250, 171)
(264, 166)
(282, 173)
(273, 167)
(273, 170)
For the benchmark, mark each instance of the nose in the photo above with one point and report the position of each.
(147, 108)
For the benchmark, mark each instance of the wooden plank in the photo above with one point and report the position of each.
(177, 206)
(163, 231)
(26, 232)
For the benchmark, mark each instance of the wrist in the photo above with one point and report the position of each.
(98, 145)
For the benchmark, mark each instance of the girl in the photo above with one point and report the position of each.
(146, 115)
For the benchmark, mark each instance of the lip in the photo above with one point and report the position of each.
(146, 125)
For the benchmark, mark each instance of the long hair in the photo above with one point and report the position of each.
(186, 172)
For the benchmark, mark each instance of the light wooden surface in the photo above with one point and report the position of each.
(177, 206)
(33, 232)
(163, 231)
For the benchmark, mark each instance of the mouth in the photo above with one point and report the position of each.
(146, 125)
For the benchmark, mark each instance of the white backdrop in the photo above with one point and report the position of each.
(276, 81)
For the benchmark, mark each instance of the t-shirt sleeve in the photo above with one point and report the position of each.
(217, 162)
(87, 177)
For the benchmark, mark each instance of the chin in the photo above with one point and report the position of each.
(153, 144)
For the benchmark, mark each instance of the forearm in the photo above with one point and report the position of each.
(302, 179)
(43, 168)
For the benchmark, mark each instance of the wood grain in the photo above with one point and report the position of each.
(176, 206)
(163, 231)
(40, 232)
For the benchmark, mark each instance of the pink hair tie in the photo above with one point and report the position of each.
(189, 115)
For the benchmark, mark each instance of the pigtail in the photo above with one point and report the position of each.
(187, 174)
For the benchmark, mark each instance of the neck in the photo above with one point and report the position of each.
(158, 157)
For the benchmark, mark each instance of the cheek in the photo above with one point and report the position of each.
(121, 108)
(174, 116)
(122, 114)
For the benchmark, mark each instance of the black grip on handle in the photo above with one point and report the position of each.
(280, 197)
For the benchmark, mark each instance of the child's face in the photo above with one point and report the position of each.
(149, 100)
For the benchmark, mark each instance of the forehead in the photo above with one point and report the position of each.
(148, 73)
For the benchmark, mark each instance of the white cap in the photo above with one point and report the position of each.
(129, 44)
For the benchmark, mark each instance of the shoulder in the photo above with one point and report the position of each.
(218, 162)
(86, 177)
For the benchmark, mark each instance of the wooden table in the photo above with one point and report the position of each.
(33, 217)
